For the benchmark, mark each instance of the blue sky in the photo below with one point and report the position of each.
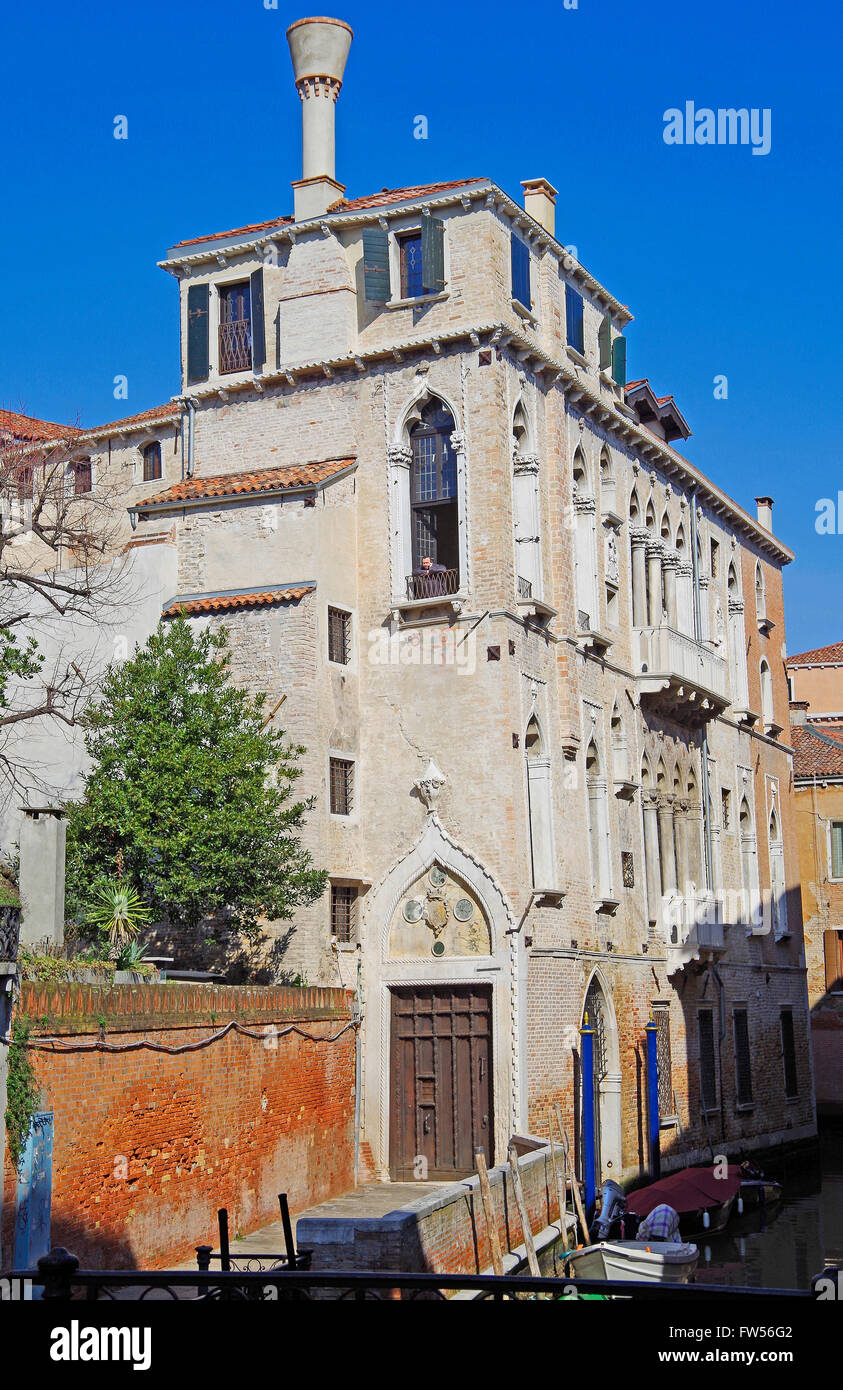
(729, 261)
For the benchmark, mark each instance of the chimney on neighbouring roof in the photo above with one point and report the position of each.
(319, 49)
(765, 512)
(540, 202)
(799, 711)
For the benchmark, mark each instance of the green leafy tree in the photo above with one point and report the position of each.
(193, 787)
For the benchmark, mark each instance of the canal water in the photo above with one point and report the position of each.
(788, 1246)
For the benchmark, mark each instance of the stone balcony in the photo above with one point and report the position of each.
(679, 677)
(695, 932)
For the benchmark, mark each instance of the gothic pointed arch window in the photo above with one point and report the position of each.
(760, 594)
(539, 806)
(598, 822)
(620, 750)
(750, 906)
(585, 546)
(737, 642)
(778, 895)
(608, 486)
(766, 694)
(434, 508)
(525, 507)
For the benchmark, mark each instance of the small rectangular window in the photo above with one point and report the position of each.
(339, 636)
(715, 559)
(235, 328)
(743, 1067)
(521, 272)
(726, 803)
(152, 462)
(791, 1080)
(574, 319)
(81, 477)
(708, 1068)
(664, 1065)
(410, 256)
(343, 912)
(342, 786)
(627, 868)
(837, 849)
(833, 954)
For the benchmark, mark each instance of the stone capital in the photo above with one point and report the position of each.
(736, 605)
(400, 455)
(638, 535)
(670, 559)
(458, 442)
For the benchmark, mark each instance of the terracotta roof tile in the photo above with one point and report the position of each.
(370, 200)
(816, 751)
(29, 428)
(195, 605)
(170, 411)
(293, 475)
(829, 655)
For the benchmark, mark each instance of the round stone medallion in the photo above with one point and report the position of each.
(413, 910)
(463, 909)
(438, 948)
(437, 876)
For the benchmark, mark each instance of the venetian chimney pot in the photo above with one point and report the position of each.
(799, 711)
(540, 202)
(765, 512)
(319, 50)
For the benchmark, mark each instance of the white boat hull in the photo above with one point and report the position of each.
(635, 1261)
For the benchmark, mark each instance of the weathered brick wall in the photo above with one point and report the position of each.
(147, 1146)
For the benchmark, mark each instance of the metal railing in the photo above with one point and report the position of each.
(524, 587)
(432, 583)
(235, 345)
(62, 1280)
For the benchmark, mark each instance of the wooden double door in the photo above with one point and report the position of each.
(441, 1093)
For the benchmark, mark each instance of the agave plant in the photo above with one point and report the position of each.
(119, 912)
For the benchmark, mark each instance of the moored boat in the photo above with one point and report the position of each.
(634, 1261)
(703, 1198)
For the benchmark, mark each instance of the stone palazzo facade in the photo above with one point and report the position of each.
(550, 784)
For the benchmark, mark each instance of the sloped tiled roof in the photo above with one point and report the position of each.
(370, 200)
(27, 427)
(170, 411)
(194, 605)
(224, 485)
(831, 655)
(817, 748)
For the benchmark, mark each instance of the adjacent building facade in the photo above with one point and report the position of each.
(816, 714)
(535, 656)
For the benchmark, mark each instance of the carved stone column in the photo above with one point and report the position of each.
(638, 543)
(651, 855)
(685, 597)
(670, 563)
(667, 845)
(680, 840)
(655, 604)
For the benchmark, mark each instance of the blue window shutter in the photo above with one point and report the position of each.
(521, 271)
(198, 297)
(619, 360)
(574, 319)
(604, 341)
(258, 332)
(376, 264)
(433, 254)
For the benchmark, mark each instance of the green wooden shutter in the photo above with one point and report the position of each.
(619, 360)
(433, 254)
(198, 297)
(604, 342)
(258, 330)
(837, 849)
(376, 264)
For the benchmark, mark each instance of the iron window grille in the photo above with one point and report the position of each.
(343, 912)
(708, 1069)
(152, 462)
(743, 1068)
(339, 636)
(235, 328)
(791, 1079)
(82, 479)
(664, 1065)
(342, 786)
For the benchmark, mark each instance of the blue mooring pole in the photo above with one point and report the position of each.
(587, 1052)
(653, 1100)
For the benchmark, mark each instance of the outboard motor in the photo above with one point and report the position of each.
(614, 1205)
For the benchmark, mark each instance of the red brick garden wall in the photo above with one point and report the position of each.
(147, 1146)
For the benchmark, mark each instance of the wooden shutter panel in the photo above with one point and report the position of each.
(831, 950)
(433, 254)
(258, 330)
(376, 264)
(520, 256)
(604, 342)
(574, 319)
(198, 297)
(619, 360)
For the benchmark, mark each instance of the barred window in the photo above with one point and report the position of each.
(152, 462)
(708, 1069)
(343, 911)
(342, 786)
(743, 1068)
(81, 476)
(339, 636)
(661, 1018)
(791, 1080)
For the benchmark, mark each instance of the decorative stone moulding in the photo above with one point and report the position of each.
(430, 784)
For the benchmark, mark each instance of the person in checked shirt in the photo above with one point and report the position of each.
(661, 1224)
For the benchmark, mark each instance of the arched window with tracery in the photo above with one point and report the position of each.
(434, 507)
(778, 894)
(539, 806)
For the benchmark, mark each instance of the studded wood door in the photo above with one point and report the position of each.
(440, 1081)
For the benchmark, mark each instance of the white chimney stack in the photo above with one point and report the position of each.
(540, 202)
(319, 49)
(765, 512)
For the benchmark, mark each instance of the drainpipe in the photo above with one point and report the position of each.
(706, 798)
(587, 1053)
(651, 1032)
(357, 1015)
(191, 414)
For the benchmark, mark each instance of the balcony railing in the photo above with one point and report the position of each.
(524, 587)
(432, 583)
(236, 345)
(684, 675)
(694, 925)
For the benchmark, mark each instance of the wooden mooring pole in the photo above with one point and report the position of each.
(529, 1244)
(489, 1211)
